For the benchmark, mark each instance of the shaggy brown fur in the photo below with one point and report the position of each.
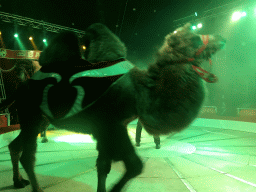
(166, 97)
(103, 45)
(170, 92)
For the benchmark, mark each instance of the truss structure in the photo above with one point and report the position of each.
(213, 12)
(37, 24)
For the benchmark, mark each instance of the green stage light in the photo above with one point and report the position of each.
(21, 46)
(193, 27)
(45, 42)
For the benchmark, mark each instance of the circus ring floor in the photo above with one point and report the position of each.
(209, 156)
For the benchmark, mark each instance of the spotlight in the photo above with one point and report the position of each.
(237, 15)
(175, 32)
(0, 32)
(16, 35)
(193, 27)
(45, 42)
(84, 47)
(30, 38)
(200, 25)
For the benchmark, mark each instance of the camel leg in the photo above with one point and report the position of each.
(28, 159)
(103, 168)
(134, 167)
(44, 125)
(43, 136)
(15, 149)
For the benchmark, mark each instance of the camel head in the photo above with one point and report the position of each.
(184, 44)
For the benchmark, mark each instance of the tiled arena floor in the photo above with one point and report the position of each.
(206, 157)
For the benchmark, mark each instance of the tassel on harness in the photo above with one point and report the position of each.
(207, 76)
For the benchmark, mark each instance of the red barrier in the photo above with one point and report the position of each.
(19, 54)
(9, 129)
(243, 114)
(3, 121)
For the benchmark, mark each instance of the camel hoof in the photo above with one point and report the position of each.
(21, 184)
(44, 140)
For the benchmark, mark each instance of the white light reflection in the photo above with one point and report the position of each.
(74, 138)
(234, 177)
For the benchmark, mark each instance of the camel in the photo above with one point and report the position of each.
(103, 93)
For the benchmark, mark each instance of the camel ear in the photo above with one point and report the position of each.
(172, 40)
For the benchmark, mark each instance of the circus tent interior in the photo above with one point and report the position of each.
(216, 153)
